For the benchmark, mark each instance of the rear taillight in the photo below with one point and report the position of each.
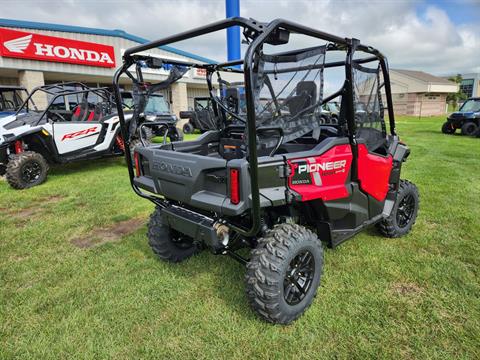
(18, 147)
(136, 158)
(234, 186)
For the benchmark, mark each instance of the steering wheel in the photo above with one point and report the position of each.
(56, 116)
(200, 107)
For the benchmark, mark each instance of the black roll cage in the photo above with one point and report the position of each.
(256, 34)
(16, 96)
(58, 90)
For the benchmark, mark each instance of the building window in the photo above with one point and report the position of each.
(466, 87)
(430, 96)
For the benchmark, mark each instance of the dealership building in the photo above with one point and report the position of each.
(418, 93)
(34, 54)
(470, 84)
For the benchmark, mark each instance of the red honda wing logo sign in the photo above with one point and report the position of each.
(19, 44)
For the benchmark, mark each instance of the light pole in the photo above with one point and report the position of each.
(232, 8)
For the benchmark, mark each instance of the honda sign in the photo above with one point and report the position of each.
(19, 44)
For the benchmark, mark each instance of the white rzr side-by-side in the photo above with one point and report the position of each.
(79, 123)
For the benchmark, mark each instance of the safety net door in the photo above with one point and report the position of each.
(374, 162)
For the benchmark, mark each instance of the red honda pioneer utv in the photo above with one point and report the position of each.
(277, 179)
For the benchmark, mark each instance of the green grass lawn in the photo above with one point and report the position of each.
(78, 279)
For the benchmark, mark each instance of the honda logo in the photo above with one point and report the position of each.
(18, 44)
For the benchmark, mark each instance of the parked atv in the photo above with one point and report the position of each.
(11, 98)
(157, 109)
(79, 123)
(201, 118)
(332, 112)
(279, 182)
(467, 119)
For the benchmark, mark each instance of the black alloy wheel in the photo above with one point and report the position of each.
(405, 211)
(298, 278)
(31, 172)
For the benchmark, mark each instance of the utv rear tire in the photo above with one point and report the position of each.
(166, 243)
(279, 286)
(148, 134)
(469, 128)
(447, 128)
(26, 170)
(404, 212)
(176, 134)
(133, 144)
(188, 128)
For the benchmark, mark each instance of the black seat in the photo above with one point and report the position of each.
(306, 95)
(81, 112)
(308, 88)
(97, 113)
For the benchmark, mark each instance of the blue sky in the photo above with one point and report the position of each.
(460, 12)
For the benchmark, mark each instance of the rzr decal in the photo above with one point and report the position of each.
(76, 134)
(322, 177)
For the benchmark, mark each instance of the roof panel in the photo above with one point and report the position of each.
(424, 77)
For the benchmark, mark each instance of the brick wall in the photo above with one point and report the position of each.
(417, 104)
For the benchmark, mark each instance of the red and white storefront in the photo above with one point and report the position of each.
(52, 53)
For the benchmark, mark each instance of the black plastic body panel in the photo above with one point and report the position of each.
(198, 227)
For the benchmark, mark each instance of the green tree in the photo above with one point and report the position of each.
(455, 98)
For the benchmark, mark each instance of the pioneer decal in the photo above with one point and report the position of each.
(328, 168)
(323, 176)
(76, 135)
(19, 44)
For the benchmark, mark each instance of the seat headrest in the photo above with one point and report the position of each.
(81, 112)
(308, 88)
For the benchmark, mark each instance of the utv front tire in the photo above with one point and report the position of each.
(168, 244)
(447, 128)
(26, 169)
(404, 212)
(284, 273)
(469, 128)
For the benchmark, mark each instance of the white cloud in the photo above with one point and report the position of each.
(429, 41)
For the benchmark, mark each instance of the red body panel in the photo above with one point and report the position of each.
(374, 172)
(322, 177)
